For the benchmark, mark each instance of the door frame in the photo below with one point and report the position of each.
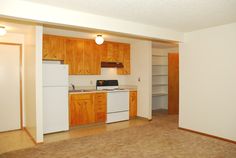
(21, 68)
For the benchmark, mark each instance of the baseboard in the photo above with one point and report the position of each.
(164, 107)
(208, 135)
(11, 130)
(143, 118)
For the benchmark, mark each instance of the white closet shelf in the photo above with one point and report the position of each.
(159, 65)
(160, 84)
(156, 55)
(159, 94)
(159, 75)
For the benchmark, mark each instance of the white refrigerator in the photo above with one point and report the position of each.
(55, 98)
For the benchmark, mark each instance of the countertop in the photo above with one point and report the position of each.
(92, 89)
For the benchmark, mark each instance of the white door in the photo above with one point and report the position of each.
(9, 87)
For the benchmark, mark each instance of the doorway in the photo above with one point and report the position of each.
(11, 87)
(165, 78)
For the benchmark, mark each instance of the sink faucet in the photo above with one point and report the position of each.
(73, 86)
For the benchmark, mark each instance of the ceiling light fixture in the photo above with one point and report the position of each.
(99, 39)
(3, 31)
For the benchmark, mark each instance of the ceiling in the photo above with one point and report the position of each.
(179, 15)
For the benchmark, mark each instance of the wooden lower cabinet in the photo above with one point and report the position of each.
(81, 109)
(132, 104)
(92, 107)
(100, 104)
(87, 108)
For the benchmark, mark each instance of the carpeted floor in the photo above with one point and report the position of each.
(159, 139)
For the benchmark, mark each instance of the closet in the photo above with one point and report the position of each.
(165, 74)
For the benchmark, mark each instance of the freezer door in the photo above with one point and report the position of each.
(55, 75)
(55, 109)
(117, 101)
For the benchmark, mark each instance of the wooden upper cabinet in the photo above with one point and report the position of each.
(117, 52)
(124, 57)
(84, 56)
(121, 52)
(112, 52)
(54, 47)
(81, 109)
(92, 58)
(103, 50)
(75, 56)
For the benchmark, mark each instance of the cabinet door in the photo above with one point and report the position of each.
(75, 56)
(121, 52)
(92, 58)
(124, 57)
(81, 109)
(111, 54)
(133, 104)
(103, 49)
(54, 47)
(86, 112)
(100, 107)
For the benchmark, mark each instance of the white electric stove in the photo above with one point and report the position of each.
(117, 100)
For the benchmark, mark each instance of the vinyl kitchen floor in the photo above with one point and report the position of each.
(19, 139)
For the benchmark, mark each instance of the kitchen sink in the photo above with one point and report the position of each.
(82, 90)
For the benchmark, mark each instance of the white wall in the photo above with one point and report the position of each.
(54, 15)
(12, 38)
(141, 61)
(106, 74)
(33, 83)
(30, 94)
(39, 82)
(208, 81)
(140, 67)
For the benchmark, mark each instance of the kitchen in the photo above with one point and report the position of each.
(75, 69)
(40, 92)
(71, 67)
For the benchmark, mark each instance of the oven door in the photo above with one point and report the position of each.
(117, 101)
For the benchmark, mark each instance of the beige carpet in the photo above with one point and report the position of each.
(159, 139)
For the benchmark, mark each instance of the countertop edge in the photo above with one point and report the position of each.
(101, 91)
